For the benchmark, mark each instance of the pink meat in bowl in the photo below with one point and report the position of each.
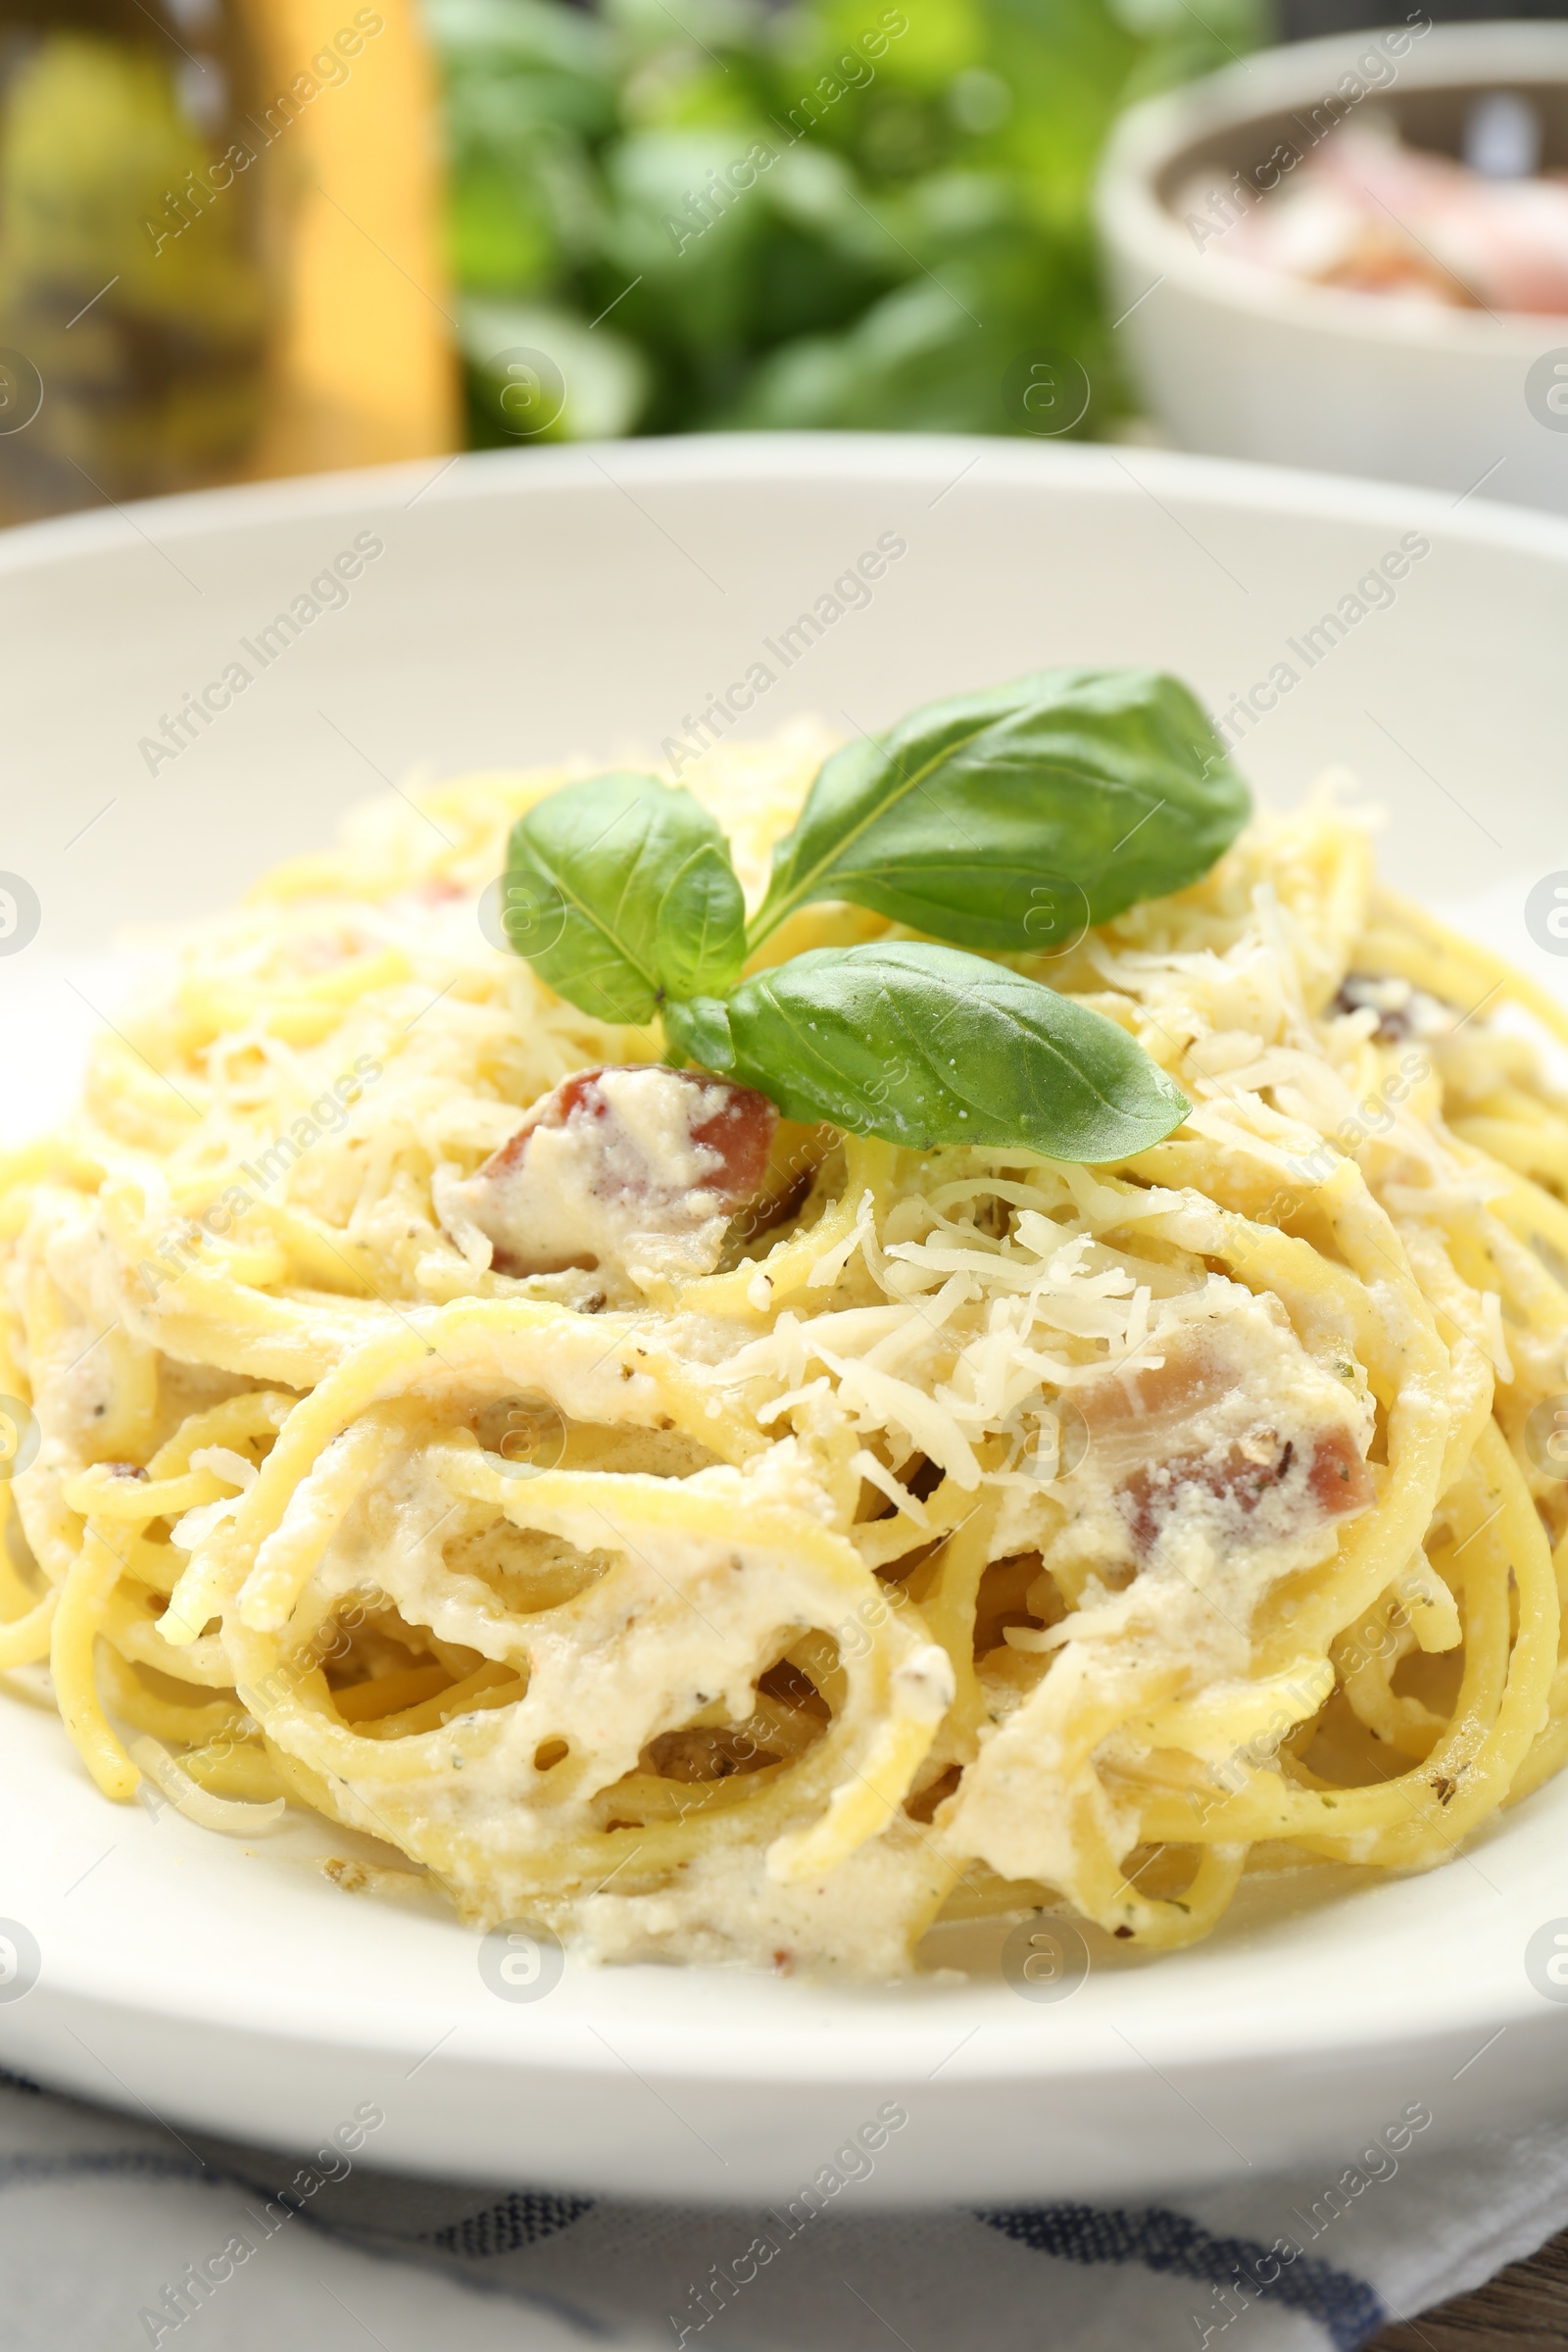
(1353, 255)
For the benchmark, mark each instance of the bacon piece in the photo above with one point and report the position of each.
(1369, 213)
(1187, 1379)
(630, 1166)
(1236, 1430)
(734, 1124)
(1337, 1478)
(1402, 1010)
(1358, 992)
(1336, 1482)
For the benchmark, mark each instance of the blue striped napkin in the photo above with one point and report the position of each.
(117, 2234)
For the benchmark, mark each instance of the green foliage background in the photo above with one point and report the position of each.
(889, 271)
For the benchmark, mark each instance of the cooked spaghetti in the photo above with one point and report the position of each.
(981, 1533)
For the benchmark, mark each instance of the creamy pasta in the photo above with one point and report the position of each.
(870, 1537)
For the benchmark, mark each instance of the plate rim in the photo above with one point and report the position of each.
(776, 460)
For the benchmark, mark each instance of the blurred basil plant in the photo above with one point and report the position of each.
(689, 214)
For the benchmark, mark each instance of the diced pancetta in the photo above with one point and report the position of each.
(1402, 1011)
(1187, 1376)
(634, 1171)
(1237, 1439)
(1325, 1479)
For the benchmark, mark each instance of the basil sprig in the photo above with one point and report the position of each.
(1004, 821)
(1016, 818)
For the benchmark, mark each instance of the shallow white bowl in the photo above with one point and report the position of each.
(1242, 362)
(529, 604)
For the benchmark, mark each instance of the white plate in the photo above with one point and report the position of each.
(536, 604)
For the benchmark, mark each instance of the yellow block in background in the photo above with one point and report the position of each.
(364, 361)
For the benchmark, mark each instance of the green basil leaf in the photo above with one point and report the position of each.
(699, 938)
(699, 1031)
(927, 1046)
(589, 871)
(1016, 818)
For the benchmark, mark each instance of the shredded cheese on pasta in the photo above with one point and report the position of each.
(991, 1533)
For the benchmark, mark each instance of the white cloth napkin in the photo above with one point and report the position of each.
(117, 2233)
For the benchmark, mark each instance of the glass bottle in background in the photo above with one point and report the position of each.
(135, 320)
(219, 240)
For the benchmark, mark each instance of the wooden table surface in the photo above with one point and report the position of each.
(1524, 2309)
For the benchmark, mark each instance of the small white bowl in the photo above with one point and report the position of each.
(1239, 360)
